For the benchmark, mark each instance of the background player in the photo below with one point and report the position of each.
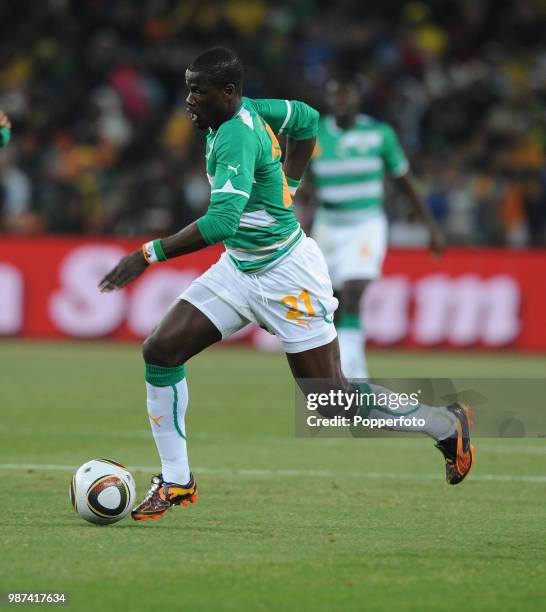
(353, 154)
(270, 273)
(5, 129)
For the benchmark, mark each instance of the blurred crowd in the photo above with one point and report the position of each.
(102, 143)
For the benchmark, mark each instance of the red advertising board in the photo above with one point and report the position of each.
(469, 298)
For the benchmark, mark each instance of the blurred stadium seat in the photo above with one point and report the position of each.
(102, 143)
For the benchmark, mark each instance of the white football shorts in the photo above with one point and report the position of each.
(293, 300)
(354, 244)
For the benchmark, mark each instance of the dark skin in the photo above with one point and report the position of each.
(185, 331)
(343, 100)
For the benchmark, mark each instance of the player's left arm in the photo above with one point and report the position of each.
(235, 161)
(398, 166)
(301, 138)
(298, 154)
(299, 123)
(406, 183)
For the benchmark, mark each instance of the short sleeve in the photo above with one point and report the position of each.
(295, 119)
(394, 157)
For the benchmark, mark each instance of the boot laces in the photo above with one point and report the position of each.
(156, 483)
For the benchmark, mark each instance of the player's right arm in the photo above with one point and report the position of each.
(235, 151)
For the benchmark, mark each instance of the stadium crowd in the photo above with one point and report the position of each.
(102, 143)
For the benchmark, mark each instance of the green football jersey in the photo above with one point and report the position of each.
(249, 193)
(348, 166)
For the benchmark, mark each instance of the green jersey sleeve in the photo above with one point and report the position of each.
(395, 160)
(296, 119)
(235, 152)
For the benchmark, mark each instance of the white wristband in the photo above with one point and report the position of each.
(149, 253)
(292, 185)
(292, 190)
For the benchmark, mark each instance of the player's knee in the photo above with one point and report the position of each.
(150, 349)
(156, 349)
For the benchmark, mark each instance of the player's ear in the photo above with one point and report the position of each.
(229, 90)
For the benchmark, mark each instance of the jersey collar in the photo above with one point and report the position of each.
(211, 131)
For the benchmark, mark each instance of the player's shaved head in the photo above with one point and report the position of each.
(221, 66)
(215, 83)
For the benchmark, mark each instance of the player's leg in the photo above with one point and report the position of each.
(363, 257)
(183, 332)
(322, 364)
(319, 370)
(295, 301)
(350, 328)
(197, 320)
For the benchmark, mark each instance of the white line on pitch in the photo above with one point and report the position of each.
(312, 473)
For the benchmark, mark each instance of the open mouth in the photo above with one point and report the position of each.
(193, 115)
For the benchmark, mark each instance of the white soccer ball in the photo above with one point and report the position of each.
(102, 491)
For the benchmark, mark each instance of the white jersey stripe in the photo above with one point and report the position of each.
(246, 118)
(355, 165)
(288, 113)
(229, 188)
(207, 155)
(263, 252)
(232, 190)
(257, 218)
(352, 191)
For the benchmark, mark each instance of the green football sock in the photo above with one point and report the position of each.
(348, 320)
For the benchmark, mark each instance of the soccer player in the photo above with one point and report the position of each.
(270, 272)
(353, 154)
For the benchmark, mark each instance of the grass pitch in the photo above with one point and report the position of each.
(282, 522)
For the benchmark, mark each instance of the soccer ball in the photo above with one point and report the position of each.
(102, 491)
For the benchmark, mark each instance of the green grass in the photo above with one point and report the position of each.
(325, 534)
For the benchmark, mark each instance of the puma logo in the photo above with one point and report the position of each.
(156, 419)
(234, 168)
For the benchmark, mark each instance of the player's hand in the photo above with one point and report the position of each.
(129, 268)
(437, 241)
(4, 121)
